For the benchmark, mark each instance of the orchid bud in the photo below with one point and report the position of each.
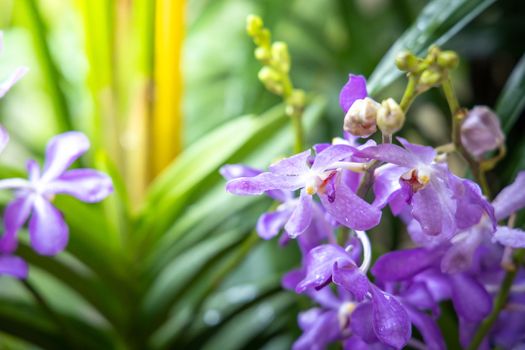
(448, 59)
(254, 24)
(407, 61)
(431, 77)
(481, 131)
(262, 54)
(390, 117)
(360, 120)
(280, 56)
(271, 80)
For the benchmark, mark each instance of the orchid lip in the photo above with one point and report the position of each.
(343, 314)
(417, 178)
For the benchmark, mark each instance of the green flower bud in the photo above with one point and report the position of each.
(254, 25)
(448, 59)
(263, 54)
(390, 117)
(280, 56)
(271, 80)
(431, 77)
(360, 120)
(407, 61)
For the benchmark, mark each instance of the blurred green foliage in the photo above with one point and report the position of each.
(186, 270)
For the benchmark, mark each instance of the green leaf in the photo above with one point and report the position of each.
(439, 21)
(512, 99)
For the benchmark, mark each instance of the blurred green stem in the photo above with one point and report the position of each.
(297, 124)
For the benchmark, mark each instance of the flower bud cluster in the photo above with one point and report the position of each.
(431, 70)
(276, 61)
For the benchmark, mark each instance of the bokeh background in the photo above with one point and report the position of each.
(159, 87)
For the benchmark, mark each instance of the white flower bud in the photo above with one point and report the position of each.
(481, 131)
(390, 117)
(360, 120)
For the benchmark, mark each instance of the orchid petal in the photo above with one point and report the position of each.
(259, 184)
(234, 171)
(352, 279)
(15, 215)
(12, 79)
(509, 237)
(319, 264)
(294, 165)
(330, 155)
(47, 229)
(425, 154)
(362, 321)
(434, 209)
(351, 210)
(13, 266)
(62, 150)
(391, 323)
(88, 185)
(301, 216)
(269, 224)
(470, 299)
(403, 264)
(354, 89)
(4, 138)
(511, 198)
(390, 153)
(428, 328)
(320, 329)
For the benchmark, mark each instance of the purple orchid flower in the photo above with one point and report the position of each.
(320, 176)
(469, 296)
(47, 228)
(14, 77)
(271, 223)
(9, 264)
(459, 251)
(440, 202)
(378, 316)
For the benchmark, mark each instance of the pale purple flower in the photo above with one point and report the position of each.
(463, 246)
(481, 131)
(469, 296)
(271, 223)
(440, 202)
(375, 314)
(321, 176)
(47, 228)
(14, 77)
(9, 264)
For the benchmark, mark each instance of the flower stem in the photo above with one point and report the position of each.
(458, 115)
(499, 304)
(410, 93)
(297, 125)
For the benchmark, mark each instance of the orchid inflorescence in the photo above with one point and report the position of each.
(461, 253)
(48, 231)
